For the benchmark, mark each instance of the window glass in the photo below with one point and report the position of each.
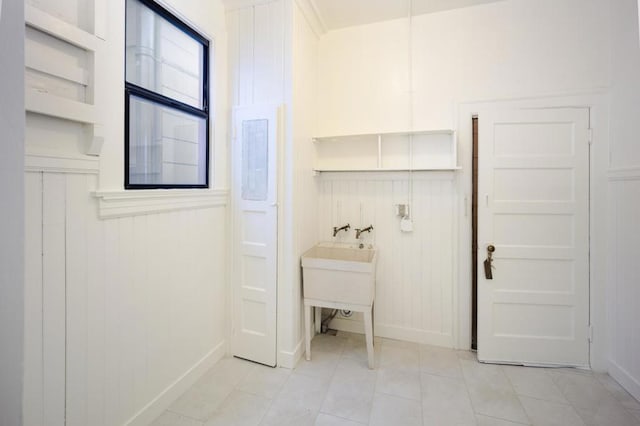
(164, 145)
(167, 115)
(255, 138)
(163, 58)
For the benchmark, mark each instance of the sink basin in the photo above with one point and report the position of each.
(341, 273)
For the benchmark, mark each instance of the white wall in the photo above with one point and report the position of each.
(11, 211)
(506, 49)
(624, 197)
(305, 186)
(126, 292)
(414, 291)
(139, 300)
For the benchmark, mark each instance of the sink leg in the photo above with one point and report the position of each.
(307, 331)
(368, 331)
(318, 312)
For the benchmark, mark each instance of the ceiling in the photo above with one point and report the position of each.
(337, 14)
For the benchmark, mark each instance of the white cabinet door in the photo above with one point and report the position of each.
(255, 234)
(533, 207)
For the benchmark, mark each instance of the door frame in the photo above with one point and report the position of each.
(597, 103)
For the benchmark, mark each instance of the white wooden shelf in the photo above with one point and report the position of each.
(43, 21)
(63, 89)
(347, 138)
(425, 150)
(55, 106)
(388, 169)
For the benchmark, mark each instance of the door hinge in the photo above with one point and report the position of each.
(590, 136)
(590, 333)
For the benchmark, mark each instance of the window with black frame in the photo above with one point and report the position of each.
(166, 100)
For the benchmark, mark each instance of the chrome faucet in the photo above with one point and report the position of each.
(342, 228)
(360, 231)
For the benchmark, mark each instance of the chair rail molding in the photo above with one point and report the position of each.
(112, 204)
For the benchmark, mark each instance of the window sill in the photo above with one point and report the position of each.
(112, 204)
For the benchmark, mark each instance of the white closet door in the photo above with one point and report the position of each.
(533, 207)
(255, 234)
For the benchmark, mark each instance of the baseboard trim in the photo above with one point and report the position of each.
(348, 325)
(413, 335)
(625, 379)
(160, 403)
(394, 332)
(290, 359)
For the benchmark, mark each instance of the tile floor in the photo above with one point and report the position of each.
(411, 385)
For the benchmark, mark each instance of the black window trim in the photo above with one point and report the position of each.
(158, 99)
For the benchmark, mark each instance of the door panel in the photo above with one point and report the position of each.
(254, 236)
(533, 207)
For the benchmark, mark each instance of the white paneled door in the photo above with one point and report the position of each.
(255, 234)
(533, 209)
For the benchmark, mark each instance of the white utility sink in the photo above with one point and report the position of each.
(340, 276)
(340, 272)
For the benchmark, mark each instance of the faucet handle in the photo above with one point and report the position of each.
(342, 228)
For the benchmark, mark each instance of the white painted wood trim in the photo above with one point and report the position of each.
(362, 135)
(53, 161)
(414, 335)
(625, 379)
(113, 204)
(184, 18)
(312, 14)
(386, 175)
(382, 169)
(58, 28)
(55, 106)
(231, 5)
(64, 71)
(160, 403)
(348, 325)
(288, 359)
(100, 18)
(624, 173)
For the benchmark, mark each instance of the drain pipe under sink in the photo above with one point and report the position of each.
(325, 322)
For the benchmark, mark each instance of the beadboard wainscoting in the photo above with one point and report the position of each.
(122, 314)
(624, 270)
(415, 275)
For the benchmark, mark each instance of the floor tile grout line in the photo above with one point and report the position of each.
(340, 357)
(578, 410)
(421, 387)
(504, 420)
(183, 415)
(466, 387)
(545, 400)
(524, 410)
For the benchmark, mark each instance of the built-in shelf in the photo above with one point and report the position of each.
(63, 90)
(431, 169)
(55, 106)
(47, 23)
(426, 150)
